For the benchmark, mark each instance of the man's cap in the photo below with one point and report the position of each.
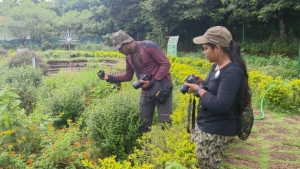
(120, 38)
(217, 35)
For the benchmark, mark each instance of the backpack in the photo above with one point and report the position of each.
(160, 91)
(245, 122)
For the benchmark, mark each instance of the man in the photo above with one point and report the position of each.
(147, 58)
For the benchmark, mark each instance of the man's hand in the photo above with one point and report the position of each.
(146, 84)
(101, 76)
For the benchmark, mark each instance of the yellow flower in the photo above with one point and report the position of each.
(23, 138)
(10, 146)
(21, 156)
(9, 132)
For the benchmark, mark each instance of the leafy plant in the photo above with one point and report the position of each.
(24, 80)
(25, 58)
(9, 108)
(114, 123)
(64, 104)
(20, 133)
(3, 52)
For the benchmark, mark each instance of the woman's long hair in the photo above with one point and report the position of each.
(235, 56)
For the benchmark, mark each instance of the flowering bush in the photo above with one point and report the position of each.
(105, 133)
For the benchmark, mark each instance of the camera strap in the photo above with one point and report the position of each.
(139, 57)
(191, 112)
(137, 51)
(138, 73)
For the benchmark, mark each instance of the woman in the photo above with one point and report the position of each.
(223, 93)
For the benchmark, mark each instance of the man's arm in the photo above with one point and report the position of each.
(127, 76)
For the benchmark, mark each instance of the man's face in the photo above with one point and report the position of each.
(124, 49)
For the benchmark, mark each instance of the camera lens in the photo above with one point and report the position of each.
(137, 84)
(184, 89)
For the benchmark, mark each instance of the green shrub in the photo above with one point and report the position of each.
(62, 148)
(163, 147)
(3, 52)
(25, 58)
(87, 79)
(114, 123)
(271, 47)
(108, 39)
(63, 104)
(88, 46)
(47, 45)
(275, 65)
(24, 80)
(30, 141)
(20, 133)
(68, 92)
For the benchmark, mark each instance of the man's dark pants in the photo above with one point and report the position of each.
(147, 109)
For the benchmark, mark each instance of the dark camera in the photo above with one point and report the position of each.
(189, 79)
(101, 73)
(137, 84)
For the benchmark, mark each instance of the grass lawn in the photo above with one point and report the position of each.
(273, 144)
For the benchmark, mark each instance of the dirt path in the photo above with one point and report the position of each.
(56, 65)
(273, 144)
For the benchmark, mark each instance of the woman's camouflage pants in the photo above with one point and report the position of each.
(209, 148)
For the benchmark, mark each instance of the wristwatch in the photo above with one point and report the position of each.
(197, 90)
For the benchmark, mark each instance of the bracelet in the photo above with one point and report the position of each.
(197, 90)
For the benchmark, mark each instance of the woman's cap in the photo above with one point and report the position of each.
(217, 35)
(120, 38)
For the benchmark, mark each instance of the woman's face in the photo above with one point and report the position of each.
(210, 53)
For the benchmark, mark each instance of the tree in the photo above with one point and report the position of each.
(262, 10)
(277, 9)
(103, 24)
(6, 5)
(75, 21)
(63, 6)
(125, 14)
(174, 16)
(36, 22)
(241, 11)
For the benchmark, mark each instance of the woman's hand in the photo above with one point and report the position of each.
(192, 87)
(199, 79)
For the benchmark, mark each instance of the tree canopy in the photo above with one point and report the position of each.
(42, 20)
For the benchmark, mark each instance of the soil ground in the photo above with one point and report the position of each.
(274, 143)
(56, 65)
